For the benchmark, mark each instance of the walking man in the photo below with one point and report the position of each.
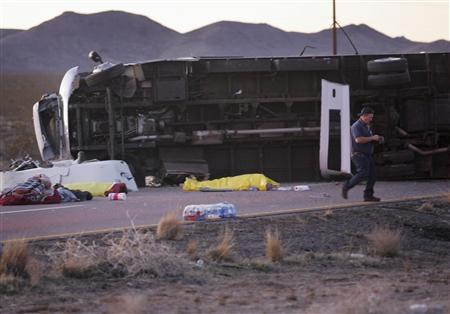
(362, 150)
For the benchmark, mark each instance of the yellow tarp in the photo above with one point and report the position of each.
(95, 188)
(238, 183)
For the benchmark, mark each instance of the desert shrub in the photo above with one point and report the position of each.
(425, 207)
(222, 251)
(9, 283)
(328, 213)
(130, 254)
(137, 253)
(386, 242)
(274, 249)
(169, 227)
(192, 248)
(35, 270)
(14, 258)
(75, 258)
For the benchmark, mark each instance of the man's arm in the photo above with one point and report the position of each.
(364, 140)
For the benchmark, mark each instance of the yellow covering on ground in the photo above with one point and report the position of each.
(95, 188)
(238, 183)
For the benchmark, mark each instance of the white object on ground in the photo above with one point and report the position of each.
(357, 255)
(117, 196)
(418, 308)
(284, 188)
(68, 171)
(321, 195)
(302, 188)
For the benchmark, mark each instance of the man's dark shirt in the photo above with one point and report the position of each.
(360, 129)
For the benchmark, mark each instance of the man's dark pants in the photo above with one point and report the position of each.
(365, 168)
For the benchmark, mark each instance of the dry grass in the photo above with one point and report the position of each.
(192, 248)
(426, 207)
(169, 227)
(136, 253)
(274, 249)
(259, 264)
(35, 270)
(386, 242)
(328, 213)
(74, 258)
(222, 251)
(9, 283)
(130, 254)
(77, 268)
(14, 258)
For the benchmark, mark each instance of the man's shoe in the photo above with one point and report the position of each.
(344, 191)
(371, 199)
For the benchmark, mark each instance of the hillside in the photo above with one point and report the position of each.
(66, 40)
(5, 32)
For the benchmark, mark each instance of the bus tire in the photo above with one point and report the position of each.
(387, 65)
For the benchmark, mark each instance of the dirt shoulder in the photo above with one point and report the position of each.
(329, 266)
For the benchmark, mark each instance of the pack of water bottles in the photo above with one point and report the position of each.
(209, 211)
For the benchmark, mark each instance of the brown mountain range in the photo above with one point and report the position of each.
(65, 41)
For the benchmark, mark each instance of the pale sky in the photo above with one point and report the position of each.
(419, 20)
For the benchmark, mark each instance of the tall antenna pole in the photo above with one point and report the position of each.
(334, 29)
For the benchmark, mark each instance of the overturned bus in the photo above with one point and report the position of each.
(214, 117)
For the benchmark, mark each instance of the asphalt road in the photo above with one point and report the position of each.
(148, 205)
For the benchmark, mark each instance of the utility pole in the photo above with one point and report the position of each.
(334, 29)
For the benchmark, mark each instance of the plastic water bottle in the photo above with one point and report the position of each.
(228, 210)
(117, 196)
(209, 211)
(194, 213)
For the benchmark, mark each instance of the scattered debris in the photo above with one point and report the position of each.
(116, 187)
(320, 195)
(35, 190)
(117, 196)
(284, 188)
(357, 255)
(153, 182)
(298, 188)
(426, 309)
(200, 263)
